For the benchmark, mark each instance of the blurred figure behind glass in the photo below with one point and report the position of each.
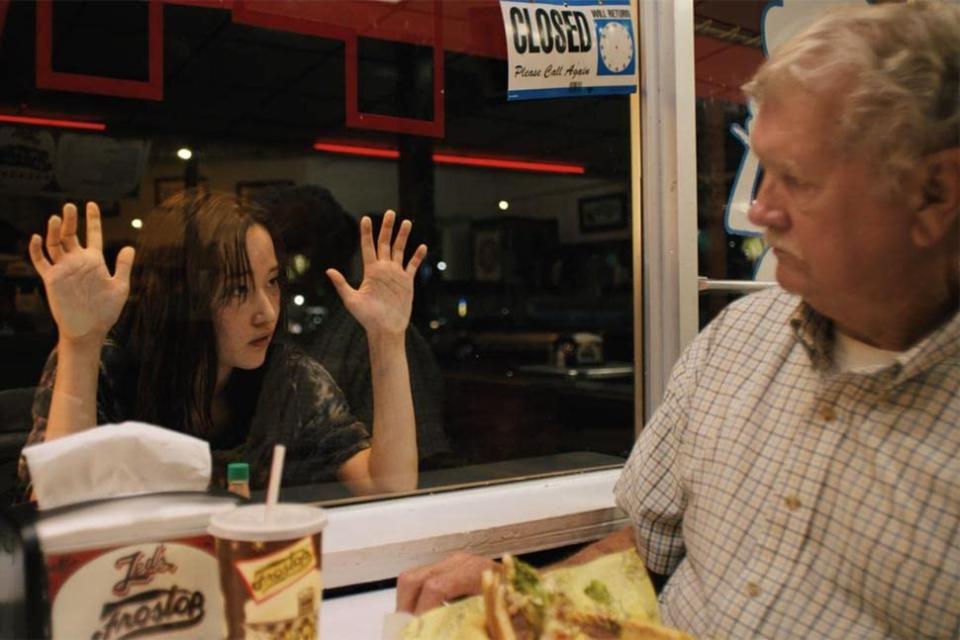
(319, 234)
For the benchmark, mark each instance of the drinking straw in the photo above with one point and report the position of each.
(273, 488)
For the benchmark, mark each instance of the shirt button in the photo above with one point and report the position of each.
(828, 414)
(792, 502)
(753, 589)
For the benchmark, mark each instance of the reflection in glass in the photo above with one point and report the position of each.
(522, 326)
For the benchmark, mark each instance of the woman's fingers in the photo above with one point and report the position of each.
(124, 264)
(344, 290)
(400, 244)
(94, 230)
(54, 250)
(417, 258)
(40, 262)
(366, 240)
(386, 234)
(68, 232)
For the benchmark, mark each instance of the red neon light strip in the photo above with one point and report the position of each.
(448, 158)
(517, 165)
(53, 122)
(353, 150)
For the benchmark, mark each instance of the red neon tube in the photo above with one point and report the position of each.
(53, 122)
(500, 163)
(454, 159)
(355, 150)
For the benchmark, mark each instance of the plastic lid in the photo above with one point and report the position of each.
(289, 521)
(238, 472)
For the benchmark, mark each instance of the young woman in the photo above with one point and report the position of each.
(184, 337)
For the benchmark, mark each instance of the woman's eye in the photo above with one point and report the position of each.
(239, 291)
(274, 282)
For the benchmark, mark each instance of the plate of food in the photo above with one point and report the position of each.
(610, 598)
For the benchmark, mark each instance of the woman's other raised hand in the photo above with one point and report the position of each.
(383, 301)
(84, 298)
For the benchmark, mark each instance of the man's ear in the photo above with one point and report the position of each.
(939, 175)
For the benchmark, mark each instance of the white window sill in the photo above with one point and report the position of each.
(378, 540)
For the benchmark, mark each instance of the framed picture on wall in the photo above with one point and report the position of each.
(247, 189)
(603, 213)
(163, 188)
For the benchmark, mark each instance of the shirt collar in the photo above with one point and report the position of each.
(816, 333)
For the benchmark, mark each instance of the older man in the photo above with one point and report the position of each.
(802, 475)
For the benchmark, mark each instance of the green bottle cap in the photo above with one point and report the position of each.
(238, 472)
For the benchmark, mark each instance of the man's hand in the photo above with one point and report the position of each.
(423, 588)
(85, 299)
(383, 302)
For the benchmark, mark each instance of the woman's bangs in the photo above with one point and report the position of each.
(235, 270)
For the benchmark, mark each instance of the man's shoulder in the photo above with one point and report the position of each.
(754, 315)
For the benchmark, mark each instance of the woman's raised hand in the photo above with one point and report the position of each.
(383, 302)
(84, 298)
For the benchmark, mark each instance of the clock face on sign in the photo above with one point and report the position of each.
(616, 48)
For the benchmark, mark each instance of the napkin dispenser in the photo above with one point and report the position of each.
(105, 570)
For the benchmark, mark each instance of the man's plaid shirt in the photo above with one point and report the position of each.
(792, 500)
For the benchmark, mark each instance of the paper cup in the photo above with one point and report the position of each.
(270, 573)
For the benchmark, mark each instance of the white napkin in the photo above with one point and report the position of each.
(126, 459)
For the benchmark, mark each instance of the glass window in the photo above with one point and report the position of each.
(520, 344)
(727, 49)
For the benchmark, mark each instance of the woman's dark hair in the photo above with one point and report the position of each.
(192, 250)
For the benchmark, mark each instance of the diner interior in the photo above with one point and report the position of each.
(530, 294)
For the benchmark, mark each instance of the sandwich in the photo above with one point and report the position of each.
(610, 598)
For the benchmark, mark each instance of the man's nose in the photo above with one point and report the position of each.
(763, 216)
(766, 212)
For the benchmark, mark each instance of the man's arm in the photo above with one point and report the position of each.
(617, 541)
(614, 543)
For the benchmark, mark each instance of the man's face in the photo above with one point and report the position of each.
(840, 241)
(245, 324)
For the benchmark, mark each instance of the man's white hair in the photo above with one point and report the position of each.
(895, 68)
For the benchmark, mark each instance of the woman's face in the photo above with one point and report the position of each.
(244, 325)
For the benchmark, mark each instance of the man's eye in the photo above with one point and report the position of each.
(794, 182)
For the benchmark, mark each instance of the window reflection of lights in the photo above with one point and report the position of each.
(752, 247)
(434, 324)
(184, 154)
(136, 223)
(504, 205)
(300, 263)
(295, 328)
(441, 266)
(298, 300)
(462, 307)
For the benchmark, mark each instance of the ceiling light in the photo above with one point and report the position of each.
(441, 266)
(298, 300)
(504, 205)
(184, 153)
(136, 223)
